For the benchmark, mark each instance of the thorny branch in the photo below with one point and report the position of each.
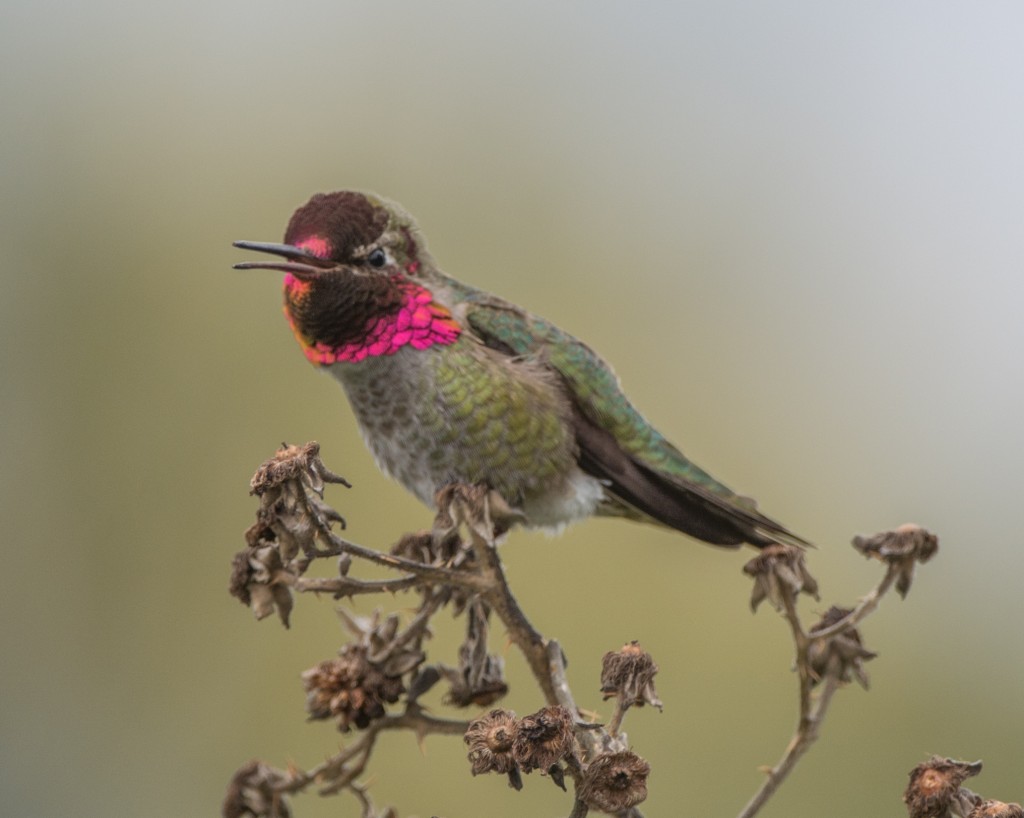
(375, 683)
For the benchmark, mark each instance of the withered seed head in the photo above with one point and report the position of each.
(241, 573)
(255, 792)
(629, 673)
(479, 684)
(996, 809)
(490, 742)
(543, 739)
(935, 785)
(842, 656)
(292, 514)
(447, 549)
(480, 677)
(350, 688)
(615, 782)
(419, 547)
(779, 573)
(260, 581)
(294, 463)
(902, 547)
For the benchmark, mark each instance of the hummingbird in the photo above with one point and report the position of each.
(450, 384)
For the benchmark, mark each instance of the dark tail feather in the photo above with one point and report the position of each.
(681, 505)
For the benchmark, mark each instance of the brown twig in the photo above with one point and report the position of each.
(812, 709)
(346, 587)
(865, 607)
(615, 722)
(497, 593)
(430, 573)
(805, 735)
(337, 771)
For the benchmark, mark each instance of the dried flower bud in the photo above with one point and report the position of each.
(615, 782)
(629, 674)
(284, 521)
(480, 677)
(779, 573)
(241, 574)
(902, 548)
(479, 684)
(344, 564)
(490, 742)
(350, 688)
(292, 514)
(418, 547)
(934, 787)
(255, 790)
(543, 739)
(996, 809)
(964, 802)
(840, 656)
(443, 548)
(422, 682)
(384, 650)
(294, 463)
(261, 582)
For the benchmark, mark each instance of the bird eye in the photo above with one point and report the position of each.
(377, 258)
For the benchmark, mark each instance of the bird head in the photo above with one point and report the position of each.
(350, 261)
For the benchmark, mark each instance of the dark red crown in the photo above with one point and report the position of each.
(344, 220)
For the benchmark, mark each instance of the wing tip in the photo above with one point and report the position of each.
(779, 535)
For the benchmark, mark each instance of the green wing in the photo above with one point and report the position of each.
(644, 472)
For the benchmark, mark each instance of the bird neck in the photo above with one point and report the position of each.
(419, 322)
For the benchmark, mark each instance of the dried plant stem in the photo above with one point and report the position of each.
(431, 573)
(530, 641)
(345, 586)
(802, 666)
(615, 723)
(866, 606)
(359, 791)
(544, 656)
(556, 667)
(812, 709)
(803, 738)
(432, 601)
(342, 769)
(579, 810)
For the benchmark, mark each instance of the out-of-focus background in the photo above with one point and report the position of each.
(796, 230)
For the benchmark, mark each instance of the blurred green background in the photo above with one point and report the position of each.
(795, 228)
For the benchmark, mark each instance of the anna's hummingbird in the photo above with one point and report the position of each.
(450, 384)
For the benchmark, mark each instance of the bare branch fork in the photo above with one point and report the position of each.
(375, 683)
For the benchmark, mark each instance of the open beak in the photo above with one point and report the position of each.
(300, 263)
